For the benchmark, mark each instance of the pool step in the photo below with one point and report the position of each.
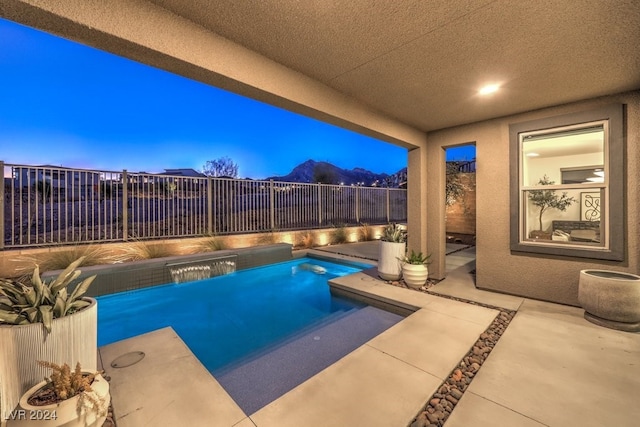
(264, 379)
(310, 328)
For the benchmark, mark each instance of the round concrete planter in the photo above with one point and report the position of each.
(72, 339)
(389, 265)
(415, 275)
(610, 299)
(68, 413)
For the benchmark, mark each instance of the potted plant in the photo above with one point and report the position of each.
(415, 270)
(392, 248)
(547, 199)
(43, 320)
(67, 398)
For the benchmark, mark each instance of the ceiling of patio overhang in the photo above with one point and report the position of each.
(422, 62)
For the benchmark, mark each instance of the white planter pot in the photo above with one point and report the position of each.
(72, 339)
(66, 413)
(610, 299)
(389, 256)
(415, 276)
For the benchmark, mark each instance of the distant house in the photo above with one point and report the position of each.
(56, 176)
(188, 172)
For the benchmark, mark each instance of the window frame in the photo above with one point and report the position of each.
(613, 226)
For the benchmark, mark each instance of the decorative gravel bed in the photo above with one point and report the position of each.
(443, 401)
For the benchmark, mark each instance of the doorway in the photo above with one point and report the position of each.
(460, 209)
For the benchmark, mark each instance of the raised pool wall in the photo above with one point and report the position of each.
(112, 278)
(19, 260)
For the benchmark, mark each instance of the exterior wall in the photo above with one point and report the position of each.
(461, 216)
(535, 276)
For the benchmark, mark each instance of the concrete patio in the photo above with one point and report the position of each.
(550, 368)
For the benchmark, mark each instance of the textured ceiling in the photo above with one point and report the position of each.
(423, 62)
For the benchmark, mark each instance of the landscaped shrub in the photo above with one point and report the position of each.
(339, 235)
(366, 232)
(139, 250)
(211, 244)
(306, 239)
(268, 238)
(60, 259)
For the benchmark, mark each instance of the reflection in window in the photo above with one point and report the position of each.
(563, 182)
(583, 176)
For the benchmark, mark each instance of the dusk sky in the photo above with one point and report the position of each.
(66, 104)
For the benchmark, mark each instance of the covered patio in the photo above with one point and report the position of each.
(409, 73)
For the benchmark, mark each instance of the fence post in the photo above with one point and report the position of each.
(357, 204)
(388, 207)
(319, 204)
(125, 205)
(210, 205)
(272, 205)
(2, 205)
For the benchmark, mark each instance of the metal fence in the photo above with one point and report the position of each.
(46, 205)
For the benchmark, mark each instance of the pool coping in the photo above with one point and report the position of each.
(346, 391)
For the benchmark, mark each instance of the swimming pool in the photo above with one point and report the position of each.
(261, 331)
(228, 318)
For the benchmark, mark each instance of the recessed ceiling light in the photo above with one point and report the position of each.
(488, 89)
(532, 154)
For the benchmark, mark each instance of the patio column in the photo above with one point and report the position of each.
(436, 211)
(417, 199)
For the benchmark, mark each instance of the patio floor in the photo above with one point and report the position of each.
(551, 367)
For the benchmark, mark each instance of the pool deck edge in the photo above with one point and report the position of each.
(169, 386)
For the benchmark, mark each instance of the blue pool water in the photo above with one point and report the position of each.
(229, 318)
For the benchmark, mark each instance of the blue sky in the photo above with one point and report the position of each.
(64, 103)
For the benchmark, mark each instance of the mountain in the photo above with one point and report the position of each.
(327, 173)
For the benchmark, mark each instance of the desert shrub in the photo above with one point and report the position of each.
(140, 249)
(366, 232)
(211, 244)
(60, 259)
(339, 235)
(268, 238)
(306, 239)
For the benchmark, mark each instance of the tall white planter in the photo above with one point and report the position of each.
(389, 256)
(72, 339)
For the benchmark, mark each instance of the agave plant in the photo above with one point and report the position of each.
(42, 301)
(416, 259)
(394, 233)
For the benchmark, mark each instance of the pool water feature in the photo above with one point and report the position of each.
(259, 331)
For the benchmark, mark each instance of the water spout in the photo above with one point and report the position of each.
(199, 270)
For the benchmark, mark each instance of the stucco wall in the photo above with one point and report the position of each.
(536, 276)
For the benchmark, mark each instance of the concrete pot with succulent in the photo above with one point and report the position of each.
(414, 269)
(43, 320)
(393, 245)
(67, 398)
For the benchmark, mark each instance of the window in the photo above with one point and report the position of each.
(567, 183)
